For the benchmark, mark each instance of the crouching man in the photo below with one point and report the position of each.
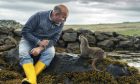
(39, 35)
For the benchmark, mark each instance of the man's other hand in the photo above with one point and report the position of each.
(43, 43)
(36, 51)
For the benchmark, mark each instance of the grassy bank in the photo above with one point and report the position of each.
(126, 28)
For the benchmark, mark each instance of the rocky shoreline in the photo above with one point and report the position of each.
(68, 67)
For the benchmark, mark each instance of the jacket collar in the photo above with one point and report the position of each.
(50, 12)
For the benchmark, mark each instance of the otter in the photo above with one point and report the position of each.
(94, 53)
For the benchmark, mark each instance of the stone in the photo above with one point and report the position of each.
(9, 43)
(6, 31)
(66, 62)
(85, 31)
(17, 32)
(61, 43)
(73, 48)
(122, 38)
(69, 30)
(10, 24)
(106, 44)
(110, 34)
(117, 71)
(11, 57)
(71, 37)
(100, 37)
(115, 34)
(91, 39)
(125, 44)
(115, 40)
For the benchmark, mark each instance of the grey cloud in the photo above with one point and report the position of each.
(124, 5)
(111, 1)
(24, 6)
(123, 8)
(29, 5)
(19, 8)
(129, 7)
(101, 4)
(43, 1)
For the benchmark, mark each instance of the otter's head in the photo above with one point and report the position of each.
(81, 37)
(83, 40)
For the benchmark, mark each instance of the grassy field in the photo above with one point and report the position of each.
(126, 28)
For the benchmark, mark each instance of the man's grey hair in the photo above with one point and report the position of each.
(57, 9)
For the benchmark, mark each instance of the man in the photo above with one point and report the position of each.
(39, 35)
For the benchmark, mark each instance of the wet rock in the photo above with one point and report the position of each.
(10, 24)
(100, 37)
(7, 43)
(61, 43)
(73, 48)
(12, 57)
(71, 37)
(135, 40)
(91, 39)
(3, 64)
(85, 31)
(14, 81)
(6, 31)
(70, 30)
(122, 38)
(8, 75)
(106, 44)
(125, 44)
(117, 71)
(110, 34)
(1, 41)
(10, 28)
(137, 46)
(115, 40)
(17, 32)
(115, 34)
(65, 62)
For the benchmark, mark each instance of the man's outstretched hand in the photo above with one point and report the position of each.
(36, 51)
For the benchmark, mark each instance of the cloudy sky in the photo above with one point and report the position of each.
(81, 11)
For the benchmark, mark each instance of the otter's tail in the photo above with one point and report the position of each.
(94, 64)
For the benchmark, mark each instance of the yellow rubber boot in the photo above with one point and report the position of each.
(30, 73)
(39, 67)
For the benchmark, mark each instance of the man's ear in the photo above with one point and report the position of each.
(53, 13)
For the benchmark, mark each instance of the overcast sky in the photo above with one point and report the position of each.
(81, 11)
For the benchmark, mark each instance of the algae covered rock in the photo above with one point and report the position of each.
(68, 68)
(117, 70)
(10, 24)
(65, 62)
(8, 75)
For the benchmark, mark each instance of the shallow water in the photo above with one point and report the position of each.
(132, 58)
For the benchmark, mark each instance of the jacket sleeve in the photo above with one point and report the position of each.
(54, 39)
(27, 30)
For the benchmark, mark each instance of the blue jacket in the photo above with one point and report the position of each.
(39, 27)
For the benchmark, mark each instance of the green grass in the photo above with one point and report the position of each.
(131, 32)
(126, 28)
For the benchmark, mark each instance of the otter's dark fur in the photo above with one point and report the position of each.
(94, 53)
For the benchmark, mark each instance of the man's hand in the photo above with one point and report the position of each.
(36, 51)
(43, 43)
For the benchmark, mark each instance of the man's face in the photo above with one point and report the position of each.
(60, 18)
